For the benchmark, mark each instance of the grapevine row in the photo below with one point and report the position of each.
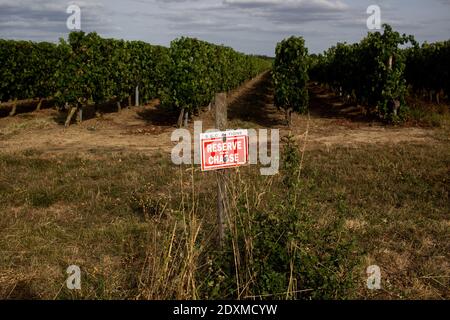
(371, 72)
(199, 69)
(428, 69)
(89, 69)
(290, 76)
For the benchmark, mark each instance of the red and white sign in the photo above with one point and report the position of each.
(221, 150)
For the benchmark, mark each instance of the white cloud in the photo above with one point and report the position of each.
(247, 25)
(319, 4)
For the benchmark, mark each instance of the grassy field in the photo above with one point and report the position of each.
(104, 195)
(141, 228)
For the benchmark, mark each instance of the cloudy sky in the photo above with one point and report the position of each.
(252, 26)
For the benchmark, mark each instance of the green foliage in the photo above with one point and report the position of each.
(199, 69)
(27, 69)
(97, 70)
(85, 68)
(428, 67)
(372, 72)
(89, 69)
(290, 74)
(281, 251)
(291, 161)
(77, 73)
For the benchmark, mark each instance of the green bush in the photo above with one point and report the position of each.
(290, 76)
(97, 70)
(89, 69)
(281, 251)
(428, 68)
(199, 69)
(27, 69)
(371, 72)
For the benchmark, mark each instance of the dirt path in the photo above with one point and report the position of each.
(330, 122)
(333, 122)
(148, 129)
(126, 131)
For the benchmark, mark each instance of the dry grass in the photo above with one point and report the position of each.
(172, 258)
(16, 126)
(141, 228)
(58, 212)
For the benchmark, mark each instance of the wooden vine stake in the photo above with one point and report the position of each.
(186, 119)
(70, 116)
(395, 103)
(220, 106)
(39, 105)
(136, 97)
(180, 118)
(80, 115)
(14, 108)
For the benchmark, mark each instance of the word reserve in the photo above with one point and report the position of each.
(226, 149)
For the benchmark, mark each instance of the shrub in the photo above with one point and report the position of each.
(290, 75)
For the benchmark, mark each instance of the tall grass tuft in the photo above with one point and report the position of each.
(173, 250)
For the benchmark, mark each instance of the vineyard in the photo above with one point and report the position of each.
(90, 70)
(359, 182)
(428, 69)
(290, 75)
(377, 72)
(87, 69)
(370, 72)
